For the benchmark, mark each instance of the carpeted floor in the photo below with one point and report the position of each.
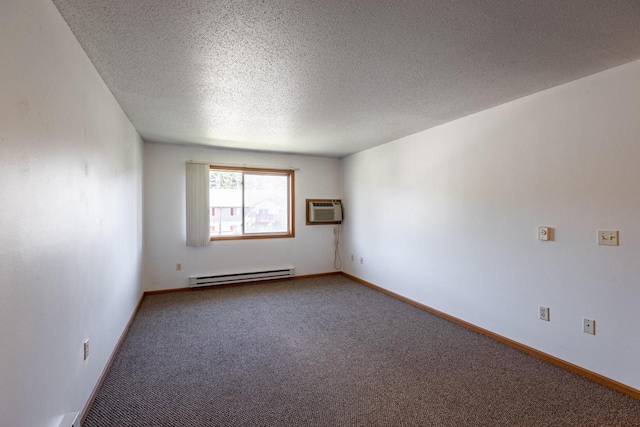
(330, 352)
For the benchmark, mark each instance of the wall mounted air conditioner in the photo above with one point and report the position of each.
(324, 211)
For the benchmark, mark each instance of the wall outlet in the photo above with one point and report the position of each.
(543, 313)
(361, 260)
(608, 237)
(352, 258)
(85, 348)
(178, 267)
(588, 326)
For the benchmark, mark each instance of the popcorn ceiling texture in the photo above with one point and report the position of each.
(335, 77)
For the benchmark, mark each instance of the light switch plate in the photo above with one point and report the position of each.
(544, 233)
(608, 237)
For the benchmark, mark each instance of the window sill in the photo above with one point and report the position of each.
(250, 237)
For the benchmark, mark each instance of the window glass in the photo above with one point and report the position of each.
(250, 203)
(266, 200)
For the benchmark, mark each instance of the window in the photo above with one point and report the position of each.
(253, 203)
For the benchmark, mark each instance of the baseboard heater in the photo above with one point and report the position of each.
(227, 279)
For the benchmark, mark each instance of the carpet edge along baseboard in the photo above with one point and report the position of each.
(87, 406)
(258, 282)
(568, 366)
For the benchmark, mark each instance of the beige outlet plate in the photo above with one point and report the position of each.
(544, 233)
(543, 313)
(588, 326)
(608, 237)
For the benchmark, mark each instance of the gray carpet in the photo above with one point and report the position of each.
(331, 352)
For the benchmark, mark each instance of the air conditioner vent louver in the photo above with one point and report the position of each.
(324, 212)
(324, 215)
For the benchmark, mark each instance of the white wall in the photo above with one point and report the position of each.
(310, 252)
(448, 217)
(70, 218)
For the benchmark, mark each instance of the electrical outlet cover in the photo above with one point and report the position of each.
(589, 326)
(544, 313)
(608, 237)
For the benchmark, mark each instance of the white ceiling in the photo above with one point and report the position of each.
(333, 77)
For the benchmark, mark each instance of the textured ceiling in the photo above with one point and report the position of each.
(333, 77)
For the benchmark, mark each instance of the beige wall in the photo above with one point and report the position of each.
(310, 252)
(471, 194)
(70, 218)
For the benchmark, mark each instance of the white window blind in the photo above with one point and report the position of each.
(198, 233)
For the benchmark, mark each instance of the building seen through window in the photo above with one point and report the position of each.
(250, 203)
